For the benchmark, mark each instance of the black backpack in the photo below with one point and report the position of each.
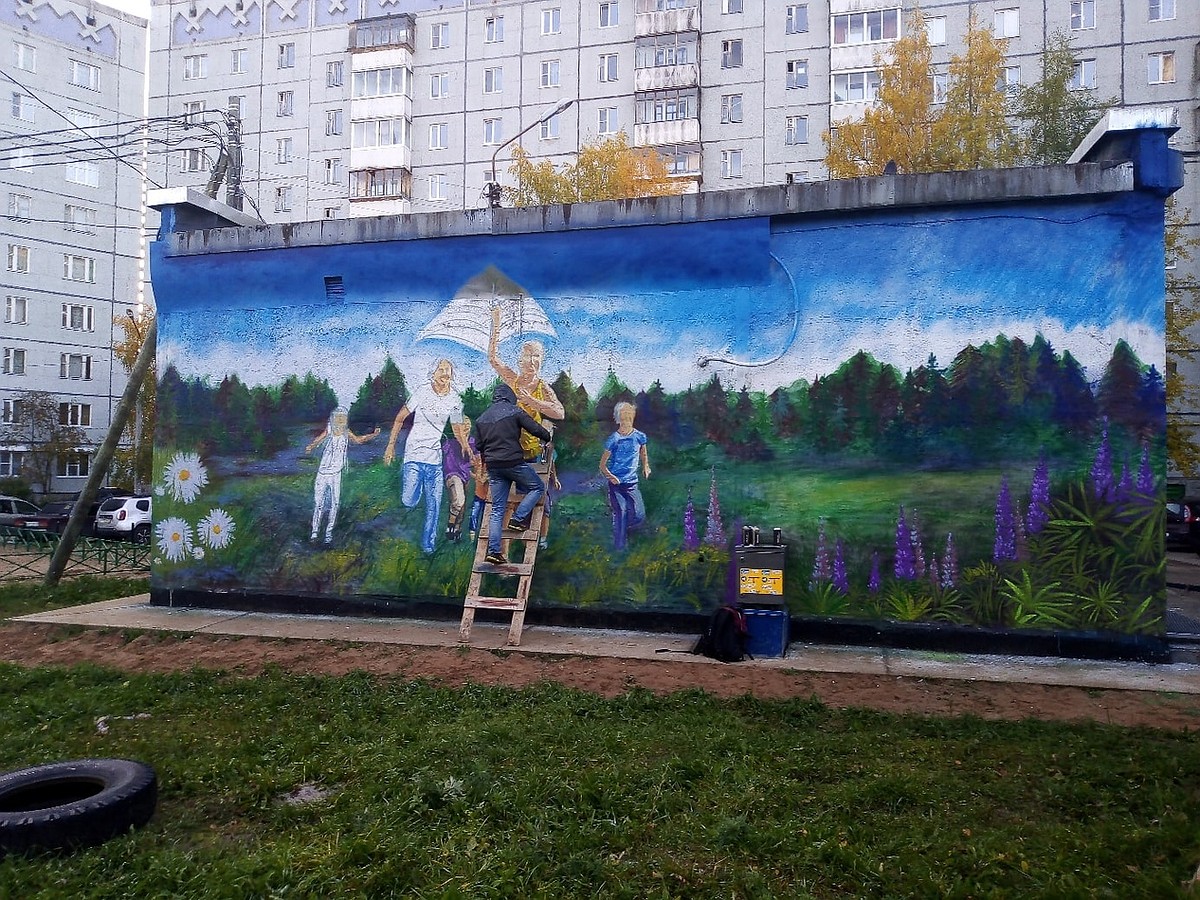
(725, 637)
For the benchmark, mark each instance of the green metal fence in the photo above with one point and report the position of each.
(25, 554)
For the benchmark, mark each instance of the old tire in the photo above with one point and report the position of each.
(74, 804)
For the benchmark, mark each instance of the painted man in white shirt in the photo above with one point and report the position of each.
(431, 406)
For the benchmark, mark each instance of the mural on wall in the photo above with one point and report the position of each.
(952, 416)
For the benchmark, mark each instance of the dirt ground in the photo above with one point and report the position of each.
(28, 644)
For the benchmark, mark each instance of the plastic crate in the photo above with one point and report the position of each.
(768, 632)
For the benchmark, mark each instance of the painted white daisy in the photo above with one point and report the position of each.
(197, 552)
(216, 529)
(174, 538)
(185, 476)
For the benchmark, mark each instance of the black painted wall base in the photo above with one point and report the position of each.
(814, 630)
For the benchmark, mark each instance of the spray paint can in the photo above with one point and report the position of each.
(747, 535)
(777, 537)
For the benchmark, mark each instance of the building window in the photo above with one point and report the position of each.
(1010, 80)
(549, 129)
(493, 131)
(941, 86)
(493, 29)
(439, 35)
(194, 161)
(1083, 75)
(334, 121)
(330, 212)
(20, 158)
(24, 57)
(850, 87)
(797, 18)
(285, 103)
(237, 61)
(1083, 14)
(935, 28)
(608, 120)
(192, 110)
(667, 106)
(79, 268)
(439, 136)
(392, 31)
(84, 75)
(731, 6)
(287, 56)
(731, 108)
(493, 80)
(551, 21)
(75, 414)
(731, 163)
(382, 82)
(78, 317)
(609, 14)
(797, 73)
(1160, 68)
(79, 218)
(391, 132)
(380, 184)
(866, 28)
(438, 183)
(1007, 23)
(796, 130)
(195, 67)
(18, 258)
(75, 366)
(73, 465)
(283, 150)
(22, 107)
(10, 463)
(681, 160)
(14, 411)
(283, 199)
(333, 170)
(608, 67)
(82, 172)
(14, 361)
(550, 73)
(20, 206)
(1162, 10)
(439, 85)
(335, 73)
(16, 310)
(731, 54)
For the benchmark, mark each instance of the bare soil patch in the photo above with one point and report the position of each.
(29, 644)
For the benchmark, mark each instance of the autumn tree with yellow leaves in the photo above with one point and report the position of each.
(133, 462)
(1183, 314)
(603, 170)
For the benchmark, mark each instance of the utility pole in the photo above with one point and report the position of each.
(228, 167)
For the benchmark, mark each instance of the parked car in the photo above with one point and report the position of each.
(125, 518)
(14, 508)
(53, 516)
(1183, 525)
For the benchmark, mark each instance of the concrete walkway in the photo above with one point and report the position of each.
(137, 613)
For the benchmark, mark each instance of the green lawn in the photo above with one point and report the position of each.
(19, 598)
(546, 792)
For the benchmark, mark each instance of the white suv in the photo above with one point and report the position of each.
(125, 517)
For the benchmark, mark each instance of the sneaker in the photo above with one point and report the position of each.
(453, 534)
(496, 559)
(329, 538)
(515, 524)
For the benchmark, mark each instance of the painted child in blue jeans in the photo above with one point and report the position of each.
(623, 451)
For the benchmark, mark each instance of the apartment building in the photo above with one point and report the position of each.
(71, 175)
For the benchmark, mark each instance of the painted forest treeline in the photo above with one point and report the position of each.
(1001, 397)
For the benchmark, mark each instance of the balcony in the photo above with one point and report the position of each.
(652, 20)
(661, 78)
(382, 33)
(657, 134)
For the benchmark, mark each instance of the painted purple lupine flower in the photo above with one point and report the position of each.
(914, 530)
(714, 532)
(1039, 498)
(840, 581)
(691, 538)
(1102, 473)
(904, 567)
(950, 563)
(1123, 492)
(932, 573)
(874, 581)
(1145, 479)
(1005, 546)
(822, 570)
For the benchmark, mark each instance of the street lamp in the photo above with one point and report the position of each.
(493, 191)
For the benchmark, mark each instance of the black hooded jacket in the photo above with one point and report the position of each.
(498, 430)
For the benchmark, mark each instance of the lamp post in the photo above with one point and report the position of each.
(493, 191)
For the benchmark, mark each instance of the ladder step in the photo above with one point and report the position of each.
(512, 568)
(508, 603)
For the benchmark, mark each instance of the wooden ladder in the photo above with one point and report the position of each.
(523, 570)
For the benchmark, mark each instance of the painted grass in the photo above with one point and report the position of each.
(545, 792)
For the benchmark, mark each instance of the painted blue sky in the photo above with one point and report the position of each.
(801, 294)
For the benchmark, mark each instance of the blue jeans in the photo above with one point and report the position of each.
(423, 479)
(628, 510)
(499, 483)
